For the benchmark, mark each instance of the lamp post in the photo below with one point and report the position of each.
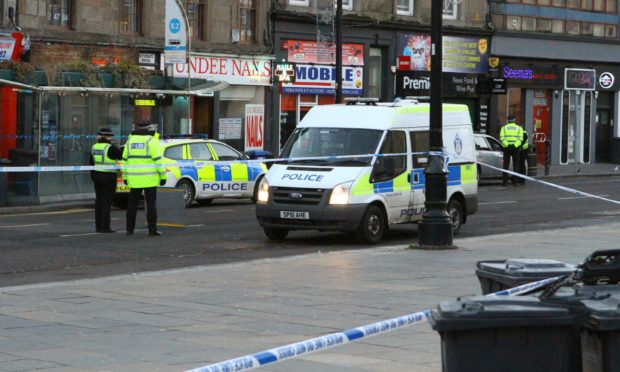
(189, 64)
(338, 51)
(435, 229)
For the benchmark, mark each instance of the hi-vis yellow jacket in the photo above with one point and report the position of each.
(143, 150)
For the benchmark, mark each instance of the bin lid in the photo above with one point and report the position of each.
(480, 312)
(603, 313)
(527, 267)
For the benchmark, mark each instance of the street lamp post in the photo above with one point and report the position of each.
(189, 64)
(435, 229)
(338, 51)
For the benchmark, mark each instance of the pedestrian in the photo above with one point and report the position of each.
(143, 149)
(523, 154)
(104, 153)
(511, 137)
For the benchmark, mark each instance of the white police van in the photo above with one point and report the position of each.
(350, 182)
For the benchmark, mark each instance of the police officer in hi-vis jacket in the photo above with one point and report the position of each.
(144, 150)
(104, 153)
(511, 137)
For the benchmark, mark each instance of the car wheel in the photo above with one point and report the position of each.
(204, 201)
(276, 234)
(120, 203)
(373, 226)
(455, 210)
(188, 191)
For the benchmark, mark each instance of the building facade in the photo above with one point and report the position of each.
(76, 40)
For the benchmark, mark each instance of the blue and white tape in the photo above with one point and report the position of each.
(332, 340)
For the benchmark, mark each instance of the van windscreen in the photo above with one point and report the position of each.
(345, 143)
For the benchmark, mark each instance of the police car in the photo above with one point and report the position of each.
(205, 170)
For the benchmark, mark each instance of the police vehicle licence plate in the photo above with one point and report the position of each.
(295, 215)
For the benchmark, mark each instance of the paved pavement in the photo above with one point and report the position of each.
(181, 319)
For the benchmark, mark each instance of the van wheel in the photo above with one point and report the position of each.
(373, 226)
(276, 234)
(455, 210)
(188, 191)
(204, 201)
(256, 184)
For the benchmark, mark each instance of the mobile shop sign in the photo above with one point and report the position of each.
(301, 51)
(6, 48)
(460, 54)
(579, 79)
(234, 70)
(321, 79)
(175, 46)
(254, 127)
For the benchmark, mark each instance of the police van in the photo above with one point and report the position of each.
(205, 170)
(360, 168)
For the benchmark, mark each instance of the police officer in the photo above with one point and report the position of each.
(104, 153)
(511, 136)
(143, 149)
(523, 157)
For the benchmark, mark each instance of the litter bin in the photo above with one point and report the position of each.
(502, 334)
(600, 334)
(499, 275)
(532, 164)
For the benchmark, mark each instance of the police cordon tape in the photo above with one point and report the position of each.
(332, 340)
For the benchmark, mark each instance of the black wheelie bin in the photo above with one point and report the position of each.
(600, 334)
(502, 334)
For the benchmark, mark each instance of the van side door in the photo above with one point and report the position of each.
(389, 175)
(420, 145)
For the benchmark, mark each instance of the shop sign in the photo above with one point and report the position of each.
(254, 127)
(459, 54)
(175, 46)
(285, 72)
(418, 83)
(531, 75)
(579, 79)
(321, 79)
(233, 70)
(6, 48)
(302, 51)
(146, 58)
(606, 80)
(487, 85)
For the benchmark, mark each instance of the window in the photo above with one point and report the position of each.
(195, 17)
(420, 142)
(58, 13)
(299, 2)
(572, 27)
(586, 29)
(544, 2)
(225, 153)
(599, 5)
(531, 2)
(513, 23)
(528, 24)
(610, 31)
(481, 143)
(557, 26)
(389, 167)
(498, 21)
(174, 152)
(404, 7)
(247, 25)
(375, 70)
(200, 151)
(130, 16)
(450, 8)
(586, 4)
(543, 25)
(560, 3)
(572, 4)
(346, 4)
(598, 30)
(612, 6)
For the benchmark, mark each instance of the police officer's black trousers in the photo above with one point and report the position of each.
(511, 152)
(105, 187)
(522, 167)
(150, 196)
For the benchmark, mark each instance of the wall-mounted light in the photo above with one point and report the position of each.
(556, 93)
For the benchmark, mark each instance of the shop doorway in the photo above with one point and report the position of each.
(541, 117)
(577, 107)
(603, 127)
(203, 110)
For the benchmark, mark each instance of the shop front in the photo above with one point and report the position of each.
(464, 63)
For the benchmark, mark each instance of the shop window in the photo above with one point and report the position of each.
(498, 21)
(528, 24)
(559, 3)
(195, 15)
(131, 16)
(543, 25)
(405, 7)
(572, 27)
(573, 4)
(247, 20)
(375, 70)
(59, 13)
(557, 26)
(586, 29)
(611, 31)
(586, 4)
(599, 5)
(612, 6)
(513, 23)
(598, 30)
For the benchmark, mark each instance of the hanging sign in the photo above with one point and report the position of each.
(254, 127)
(175, 46)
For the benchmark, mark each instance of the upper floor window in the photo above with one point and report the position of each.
(404, 7)
(131, 16)
(195, 15)
(299, 2)
(247, 20)
(58, 13)
(608, 6)
(346, 4)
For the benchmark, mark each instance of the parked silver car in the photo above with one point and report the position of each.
(489, 151)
